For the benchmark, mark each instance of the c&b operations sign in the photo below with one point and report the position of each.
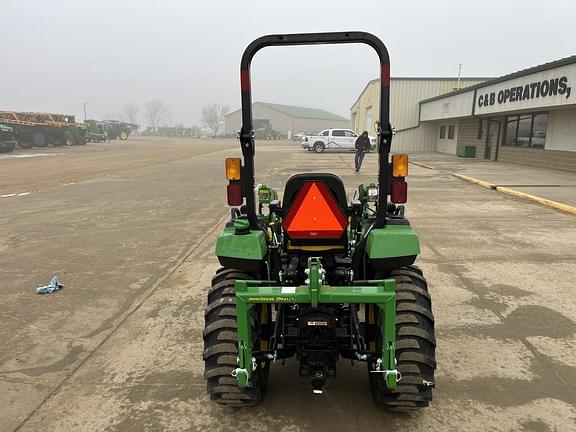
(543, 89)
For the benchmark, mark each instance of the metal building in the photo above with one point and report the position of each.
(286, 120)
(405, 95)
(527, 117)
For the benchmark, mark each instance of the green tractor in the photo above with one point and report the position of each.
(7, 139)
(317, 277)
(117, 129)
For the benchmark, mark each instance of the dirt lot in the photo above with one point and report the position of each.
(132, 240)
(42, 168)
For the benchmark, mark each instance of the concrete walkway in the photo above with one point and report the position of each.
(555, 185)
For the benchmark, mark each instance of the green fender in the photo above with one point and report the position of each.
(392, 241)
(241, 248)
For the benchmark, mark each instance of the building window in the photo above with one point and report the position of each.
(524, 127)
(451, 130)
(539, 127)
(442, 132)
(511, 131)
(526, 130)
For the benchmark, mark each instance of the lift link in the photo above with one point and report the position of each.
(315, 279)
(379, 292)
(244, 371)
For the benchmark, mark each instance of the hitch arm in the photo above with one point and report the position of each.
(379, 292)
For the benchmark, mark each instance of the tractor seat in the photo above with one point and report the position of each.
(315, 210)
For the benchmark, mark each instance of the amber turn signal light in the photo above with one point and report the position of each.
(233, 168)
(400, 165)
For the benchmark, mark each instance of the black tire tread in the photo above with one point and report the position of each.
(416, 345)
(220, 344)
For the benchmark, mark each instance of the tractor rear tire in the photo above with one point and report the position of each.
(415, 345)
(6, 148)
(221, 344)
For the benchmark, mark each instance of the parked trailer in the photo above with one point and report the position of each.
(7, 139)
(40, 129)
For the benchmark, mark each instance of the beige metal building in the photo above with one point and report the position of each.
(285, 119)
(405, 96)
(527, 117)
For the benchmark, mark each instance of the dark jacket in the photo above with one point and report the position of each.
(362, 143)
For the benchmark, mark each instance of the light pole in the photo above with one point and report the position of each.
(84, 104)
(459, 75)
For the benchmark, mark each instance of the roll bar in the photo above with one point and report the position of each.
(247, 130)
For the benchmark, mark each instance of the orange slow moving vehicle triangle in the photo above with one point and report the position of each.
(315, 214)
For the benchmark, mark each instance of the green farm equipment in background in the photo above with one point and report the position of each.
(317, 277)
(95, 131)
(7, 139)
(118, 130)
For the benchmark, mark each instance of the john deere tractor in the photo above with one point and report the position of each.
(317, 277)
(7, 139)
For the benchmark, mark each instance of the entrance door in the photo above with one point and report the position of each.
(368, 120)
(492, 137)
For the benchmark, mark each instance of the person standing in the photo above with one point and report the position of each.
(362, 145)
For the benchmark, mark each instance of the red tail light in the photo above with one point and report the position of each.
(234, 193)
(399, 192)
(315, 214)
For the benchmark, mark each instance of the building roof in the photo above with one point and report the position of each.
(545, 66)
(300, 112)
(303, 112)
(431, 78)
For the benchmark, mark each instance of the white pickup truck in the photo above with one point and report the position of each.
(333, 139)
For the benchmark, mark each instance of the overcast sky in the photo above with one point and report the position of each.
(57, 54)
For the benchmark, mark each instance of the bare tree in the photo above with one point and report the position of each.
(213, 116)
(155, 113)
(130, 113)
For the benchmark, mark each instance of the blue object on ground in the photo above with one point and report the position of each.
(54, 285)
